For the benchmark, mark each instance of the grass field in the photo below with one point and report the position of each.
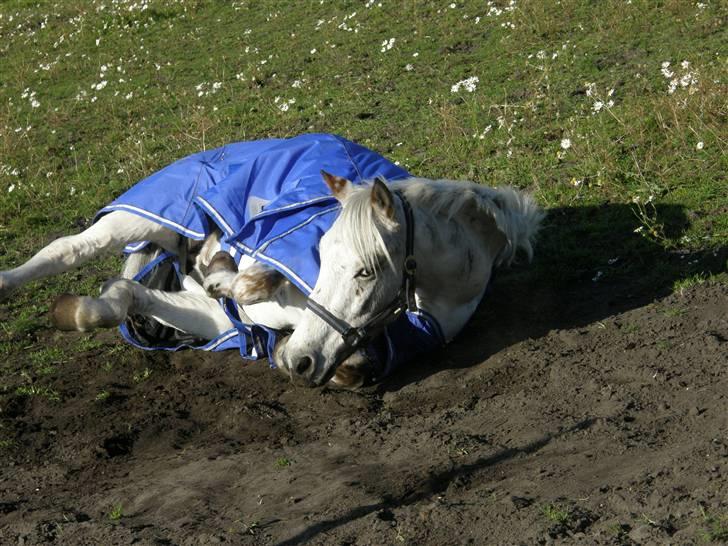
(613, 113)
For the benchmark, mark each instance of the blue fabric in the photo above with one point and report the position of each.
(270, 202)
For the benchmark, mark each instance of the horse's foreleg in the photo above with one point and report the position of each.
(111, 233)
(254, 284)
(188, 312)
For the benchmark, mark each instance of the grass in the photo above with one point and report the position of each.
(555, 513)
(116, 512)
(283, 462)
(573, 101)
(715, 527)
(39, 391)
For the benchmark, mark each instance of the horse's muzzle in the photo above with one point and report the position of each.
(308, 369)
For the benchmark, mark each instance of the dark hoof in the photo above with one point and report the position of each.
(63, 312)
(222, 261)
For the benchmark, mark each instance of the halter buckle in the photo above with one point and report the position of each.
(410, 265)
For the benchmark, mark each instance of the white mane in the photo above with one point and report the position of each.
(516, 214)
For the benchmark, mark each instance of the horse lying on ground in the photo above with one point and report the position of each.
(335, 277)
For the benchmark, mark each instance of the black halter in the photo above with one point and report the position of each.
(356, 336)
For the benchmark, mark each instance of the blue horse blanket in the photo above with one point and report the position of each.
(269, 201)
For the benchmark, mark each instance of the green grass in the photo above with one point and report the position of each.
(715, 527)
(116, 512)
(555, 513)
(39, 391)
(283, 462)
(571, 103)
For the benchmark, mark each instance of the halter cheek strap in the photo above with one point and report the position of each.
(356, 336)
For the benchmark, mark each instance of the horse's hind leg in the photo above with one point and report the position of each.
(111, 233)
(186, 311)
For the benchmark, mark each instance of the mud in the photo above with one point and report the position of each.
(595, 415)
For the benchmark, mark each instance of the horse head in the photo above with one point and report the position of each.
(356, 294)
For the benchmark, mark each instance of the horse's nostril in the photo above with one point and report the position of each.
(303, 364)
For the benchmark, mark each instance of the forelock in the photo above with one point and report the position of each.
(361, 230)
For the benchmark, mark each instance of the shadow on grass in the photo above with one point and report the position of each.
(590, 265)
(432, 484)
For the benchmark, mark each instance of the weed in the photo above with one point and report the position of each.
(555, 513)
(116, 512)
(143, 375)
(6, 444)
(689, 282)
(716, 527)
(103, 395)
(673, 312)
(283, 462)
(34, 390)
(630, 328)
(250, 528)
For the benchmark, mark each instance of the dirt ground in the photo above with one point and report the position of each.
(597, 416)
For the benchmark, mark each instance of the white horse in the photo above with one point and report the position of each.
(427, 246)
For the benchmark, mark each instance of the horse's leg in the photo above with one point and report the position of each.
(189, 312)
(111, 233)
(253, 284)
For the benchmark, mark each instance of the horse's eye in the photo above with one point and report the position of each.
(363, 274)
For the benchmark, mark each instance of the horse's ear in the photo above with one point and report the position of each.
(382, 199)
(338, 185)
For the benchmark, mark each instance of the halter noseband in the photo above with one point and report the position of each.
(356, 336)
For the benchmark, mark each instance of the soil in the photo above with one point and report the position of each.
(586, 416)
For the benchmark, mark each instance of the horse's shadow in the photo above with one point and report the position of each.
(590, 264)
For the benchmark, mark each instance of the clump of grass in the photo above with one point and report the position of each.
(142, 375)
(35, 390)
(116, 512)
(716, 527)
(103, 395)
(283, 462)
(697, 279)
(555, 513)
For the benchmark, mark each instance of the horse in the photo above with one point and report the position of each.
(401, 269)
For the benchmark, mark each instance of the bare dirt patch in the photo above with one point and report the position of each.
(587, 417)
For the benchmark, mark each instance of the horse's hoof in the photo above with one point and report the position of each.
(217, 284)
(5, 288)
(350, 377)
(222, 261)
(64, 312)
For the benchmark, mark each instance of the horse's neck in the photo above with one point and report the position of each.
(454, 262)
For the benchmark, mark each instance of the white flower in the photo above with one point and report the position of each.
(409, 68)
(387, 45)
(34, 103)
(598, 105)
(700, 145)
(469, 84)
(313, 51)
(565, 143)
(11, 187)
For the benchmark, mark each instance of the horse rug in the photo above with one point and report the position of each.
(268, 199)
